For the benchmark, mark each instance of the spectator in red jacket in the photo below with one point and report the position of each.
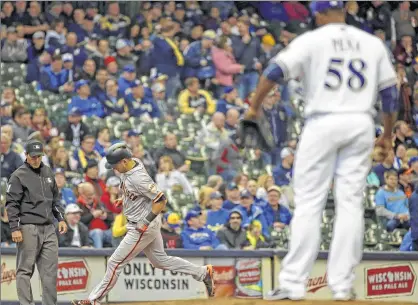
(91, 174)
(112, 194)
(95, 216)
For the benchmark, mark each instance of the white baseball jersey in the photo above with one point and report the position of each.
(139, 190)
(338, 65)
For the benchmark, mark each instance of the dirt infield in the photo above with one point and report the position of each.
(222, 301)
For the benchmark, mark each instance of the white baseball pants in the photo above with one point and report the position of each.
(151, 242)
(335, 146)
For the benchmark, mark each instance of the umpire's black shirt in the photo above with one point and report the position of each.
(33, 197)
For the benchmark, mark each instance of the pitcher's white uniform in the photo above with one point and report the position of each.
(342, 70)
(139, 191)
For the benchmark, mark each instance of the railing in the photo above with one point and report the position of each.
(384, 276)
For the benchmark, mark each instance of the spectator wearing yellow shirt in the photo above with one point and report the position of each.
(194, 99)
(119, 229)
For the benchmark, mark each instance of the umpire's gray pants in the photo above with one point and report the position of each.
(40, 247)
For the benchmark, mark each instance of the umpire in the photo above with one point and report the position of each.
(32, 202)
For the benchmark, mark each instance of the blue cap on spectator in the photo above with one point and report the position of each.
(133, 133)
(215, 195)
(191, 214)
(228, 89)
(59, 170)
(318, 7)
(412, 160)
(67, 57)
(136, 83)
(75, 112)
(80, 83)
(129, 68)
(245, 194)
(232, 186)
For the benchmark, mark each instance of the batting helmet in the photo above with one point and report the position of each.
(116, 153)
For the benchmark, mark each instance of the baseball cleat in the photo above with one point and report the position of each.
(344, 296)
(281, 294)
(208, 281)
(81, 302)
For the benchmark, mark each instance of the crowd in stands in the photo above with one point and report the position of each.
(172, 80)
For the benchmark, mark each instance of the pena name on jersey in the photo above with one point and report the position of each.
(342, 69)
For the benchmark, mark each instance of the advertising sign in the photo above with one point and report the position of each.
(248, 279)
(224, 278)
(73, 276)
(389, 280)
(140, 281)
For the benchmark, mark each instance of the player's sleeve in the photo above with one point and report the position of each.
(289, 62)
(386, 82)
(14, 195)
(146, 186)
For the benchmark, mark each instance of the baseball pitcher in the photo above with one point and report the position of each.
(343, 69)
(143, 203)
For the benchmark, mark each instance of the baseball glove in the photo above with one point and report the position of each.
(255, 133)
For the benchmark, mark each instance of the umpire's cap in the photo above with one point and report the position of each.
(34, 148)
(116, 153)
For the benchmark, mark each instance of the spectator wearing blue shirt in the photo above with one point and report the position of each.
(277, 118)
(103, 141)
(229, 100)
(126, 80)
(247, 50)
(140, 105)
(166, 57)
(79, 53)
(77, 26)
(216, 216)
(86, 104)
(251, 212)
(392, 203)
(277, 216)
(198, 58)
(67, 194)
(86, 152)
(98, 88)
(232, 196)
(258, 201)
(34, 68)
(282, 173)
(113, 102)
(387, 165)
(54, 78)
(196, 236)
(37, 47)
(68, 65)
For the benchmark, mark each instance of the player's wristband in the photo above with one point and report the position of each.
(150, 217)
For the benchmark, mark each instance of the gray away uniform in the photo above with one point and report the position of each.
(139, 191)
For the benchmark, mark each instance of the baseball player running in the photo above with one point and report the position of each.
(342, 69)
(143, 203)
